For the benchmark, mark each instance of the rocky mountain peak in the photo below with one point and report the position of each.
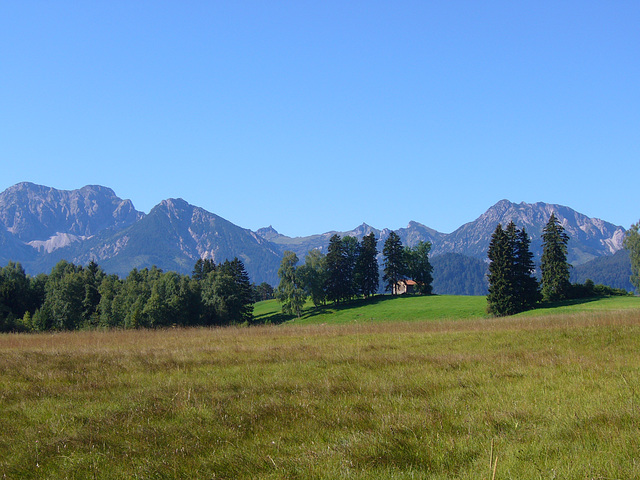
(35, 212)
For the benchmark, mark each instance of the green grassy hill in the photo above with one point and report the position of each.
(385, 308)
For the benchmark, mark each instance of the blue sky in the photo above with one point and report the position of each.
(318, 116)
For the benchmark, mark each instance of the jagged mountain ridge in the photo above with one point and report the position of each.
(590, 238)
(172, 237)
(35, 213)
(41, 225)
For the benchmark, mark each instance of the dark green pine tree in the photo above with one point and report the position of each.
(351, 251)
(239, 300)
(394, 262)
(501, 299)
(554, 265)
(335, 259)
(367, 273)
(526, 282)
(202, 268)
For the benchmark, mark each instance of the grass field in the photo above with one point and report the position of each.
(385, 308)
(527, 397)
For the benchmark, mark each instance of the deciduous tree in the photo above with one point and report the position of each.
(290, 291)
(419, 268)
(313, 276)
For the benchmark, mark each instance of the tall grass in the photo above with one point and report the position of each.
(532, 397)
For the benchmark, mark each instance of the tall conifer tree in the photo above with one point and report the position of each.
(367, 273)
(512, 286)
(501, 300)
(394, 262)
(335, 262)
(554, 265)
(526, 282)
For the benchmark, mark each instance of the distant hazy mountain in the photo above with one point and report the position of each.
(613, 270)
(457, 274)
(41, 225)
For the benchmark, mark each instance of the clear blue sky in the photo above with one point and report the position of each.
(318, 116)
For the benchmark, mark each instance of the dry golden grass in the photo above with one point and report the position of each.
(554, 396)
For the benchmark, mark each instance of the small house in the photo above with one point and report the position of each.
(404, 286)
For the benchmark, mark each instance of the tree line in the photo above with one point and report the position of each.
(513, 285)
(350, 270)
(73, 297)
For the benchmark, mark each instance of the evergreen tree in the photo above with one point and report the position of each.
(336, 265)
(367, 273)
(632, 244)
(394, 262)
(512, 286)
(239, 299)
(202, 268)
(526, 282)
(554, 265)
(501, 299)
(351, 251)
(92, 277)
(419, 268)
(290, 291)
(264, 291)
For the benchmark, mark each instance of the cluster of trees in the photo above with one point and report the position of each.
(349, 270)
(513, 286)
(73, 297)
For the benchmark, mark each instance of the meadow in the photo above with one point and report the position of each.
(410, 394)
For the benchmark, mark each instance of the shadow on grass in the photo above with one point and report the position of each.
(566, 303)
(310, 312)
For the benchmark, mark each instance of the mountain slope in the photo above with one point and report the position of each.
(613, 270)
(173, 236)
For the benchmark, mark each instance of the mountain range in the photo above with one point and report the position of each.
(41, 225)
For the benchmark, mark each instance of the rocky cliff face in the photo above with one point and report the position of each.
(37, 213)
(172, 237)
